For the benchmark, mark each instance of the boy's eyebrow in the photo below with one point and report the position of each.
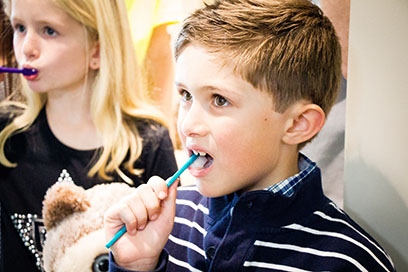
(208, 87)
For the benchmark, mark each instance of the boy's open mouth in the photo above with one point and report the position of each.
(203, 161)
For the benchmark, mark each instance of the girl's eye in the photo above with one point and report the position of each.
(186, 96)
(20, 28)
(49, 31)
(220, 101)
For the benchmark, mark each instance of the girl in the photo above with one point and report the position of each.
(84, 116)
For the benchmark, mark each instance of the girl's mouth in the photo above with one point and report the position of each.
(30, 73)
(31, 77)
(203, 161)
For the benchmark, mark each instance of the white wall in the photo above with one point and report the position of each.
(376, 152)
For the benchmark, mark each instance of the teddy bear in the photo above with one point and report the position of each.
(73, 218)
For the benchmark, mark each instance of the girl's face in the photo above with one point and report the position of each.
(235, 124)
(49, 40)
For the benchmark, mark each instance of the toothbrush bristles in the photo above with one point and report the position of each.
(29, 71)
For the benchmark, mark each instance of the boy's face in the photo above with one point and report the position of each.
(234, 123)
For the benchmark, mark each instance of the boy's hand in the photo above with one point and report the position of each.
(149, 217)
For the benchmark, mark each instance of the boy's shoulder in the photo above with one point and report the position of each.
(332, 233)
(324, 237)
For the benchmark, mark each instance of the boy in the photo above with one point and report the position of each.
(256, 79)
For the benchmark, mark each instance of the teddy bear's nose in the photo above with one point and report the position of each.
(101, 263)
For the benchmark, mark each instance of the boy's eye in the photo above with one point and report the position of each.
(186, 96)
(220, 101)
(49, 31)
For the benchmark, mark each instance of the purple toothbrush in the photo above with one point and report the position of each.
(24, 71)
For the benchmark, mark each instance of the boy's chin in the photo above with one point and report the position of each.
(204, 190)
(210, 191)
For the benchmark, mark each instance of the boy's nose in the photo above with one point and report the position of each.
(30, 46)
(193, 122)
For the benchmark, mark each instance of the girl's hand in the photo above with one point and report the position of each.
(149, 217)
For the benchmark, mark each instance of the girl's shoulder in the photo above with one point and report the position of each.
(8, 113)
(153, 134)
(149, 128)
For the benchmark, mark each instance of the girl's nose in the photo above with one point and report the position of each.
(31, 46)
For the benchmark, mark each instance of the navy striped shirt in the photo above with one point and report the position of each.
(265, 231)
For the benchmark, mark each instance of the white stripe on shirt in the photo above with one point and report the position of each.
(183, 264)
(324, 216)
(192, 205)
(337, 235)
(187, 188)
(187, 244)
(274, 266)
(311, 251)
(187, 222)
(337, 208)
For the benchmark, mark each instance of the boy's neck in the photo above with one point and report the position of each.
(288, 165)
(285, 167)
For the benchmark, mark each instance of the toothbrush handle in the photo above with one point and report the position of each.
(9, 70)
(182, 169)
(24, 71)
(116, 237)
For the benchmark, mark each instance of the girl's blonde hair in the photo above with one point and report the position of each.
(118, 95)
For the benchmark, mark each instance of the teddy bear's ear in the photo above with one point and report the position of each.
(61, 200)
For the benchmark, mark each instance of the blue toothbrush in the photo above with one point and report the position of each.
(169, 183)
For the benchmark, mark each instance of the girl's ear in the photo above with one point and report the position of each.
(305, 121)
(94, 62)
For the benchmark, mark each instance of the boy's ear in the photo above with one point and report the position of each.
(304, 122)
(94, 62)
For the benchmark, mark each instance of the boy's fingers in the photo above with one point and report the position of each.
(173, 190)
(136, 205)
(150, 202)
(121, 214)
(159, 187)
(169, 204)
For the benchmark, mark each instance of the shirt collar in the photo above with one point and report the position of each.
(288, 186)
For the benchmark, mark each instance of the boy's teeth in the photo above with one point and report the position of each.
(199, 153)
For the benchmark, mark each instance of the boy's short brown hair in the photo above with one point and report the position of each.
(286, 47)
